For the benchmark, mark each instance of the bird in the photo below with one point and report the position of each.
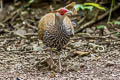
(55, 30)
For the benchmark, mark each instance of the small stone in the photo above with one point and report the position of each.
(20, 32)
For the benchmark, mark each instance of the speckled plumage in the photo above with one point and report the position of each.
(55, 30)
(57, 33)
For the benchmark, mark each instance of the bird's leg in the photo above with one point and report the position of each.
(59, 63)
(51, 59)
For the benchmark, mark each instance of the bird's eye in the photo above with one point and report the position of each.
(62, 12)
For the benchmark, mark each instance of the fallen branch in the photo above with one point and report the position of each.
(82, 20)
(1, 4)
(12, 15)
(1, 24)
(88, 36)
(98, 19)
(31, 34)
(31, 26)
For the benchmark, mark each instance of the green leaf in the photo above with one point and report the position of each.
(100, 27)
(31, 1)
(95, 5)
(116, 22)
(78, 6)
(89, 8)
(116, 34)
(83, 7)
(24, 12)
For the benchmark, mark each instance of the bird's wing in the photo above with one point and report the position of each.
(46, 24)
(68, 23)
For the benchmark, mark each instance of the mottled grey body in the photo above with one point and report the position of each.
(55, 40)
(60, 35)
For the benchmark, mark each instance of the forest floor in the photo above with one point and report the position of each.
(20, 55)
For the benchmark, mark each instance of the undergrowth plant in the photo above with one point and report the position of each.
(110, 13)
(88, 6)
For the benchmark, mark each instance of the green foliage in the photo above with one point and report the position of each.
(29, 3)
(100, 26)
(110, 13)
(116, 22)
(116, 34)
(24, 12)
(95, 5)
(83, 7)
(88, 6)
(78, 6)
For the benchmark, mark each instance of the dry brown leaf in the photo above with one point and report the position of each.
(82, 53)
(52, 74)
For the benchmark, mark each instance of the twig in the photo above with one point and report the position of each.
(110, 13)
(88, 36)
(1, 24)
(54, 3)
(12, 14)
(31, 34)
(89, 23)
(14, 17)
(31, 26)
(1, 3)
(94, 21)
(80, 21)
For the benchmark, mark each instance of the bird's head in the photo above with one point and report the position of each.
(67, 10)
(64, 11)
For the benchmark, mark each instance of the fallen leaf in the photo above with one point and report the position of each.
(52, 75)
(82, 53)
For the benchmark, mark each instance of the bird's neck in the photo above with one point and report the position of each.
(59, 22)
(59, 18)
(60, 25)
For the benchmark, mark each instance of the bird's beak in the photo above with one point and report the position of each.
(69, 13)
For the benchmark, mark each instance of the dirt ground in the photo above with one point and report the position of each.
(18, 60)
(24, 58)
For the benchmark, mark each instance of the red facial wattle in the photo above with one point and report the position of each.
(62, 11)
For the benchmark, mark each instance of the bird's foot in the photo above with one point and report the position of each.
(59, 69)
(55, 67)
(51, 64)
